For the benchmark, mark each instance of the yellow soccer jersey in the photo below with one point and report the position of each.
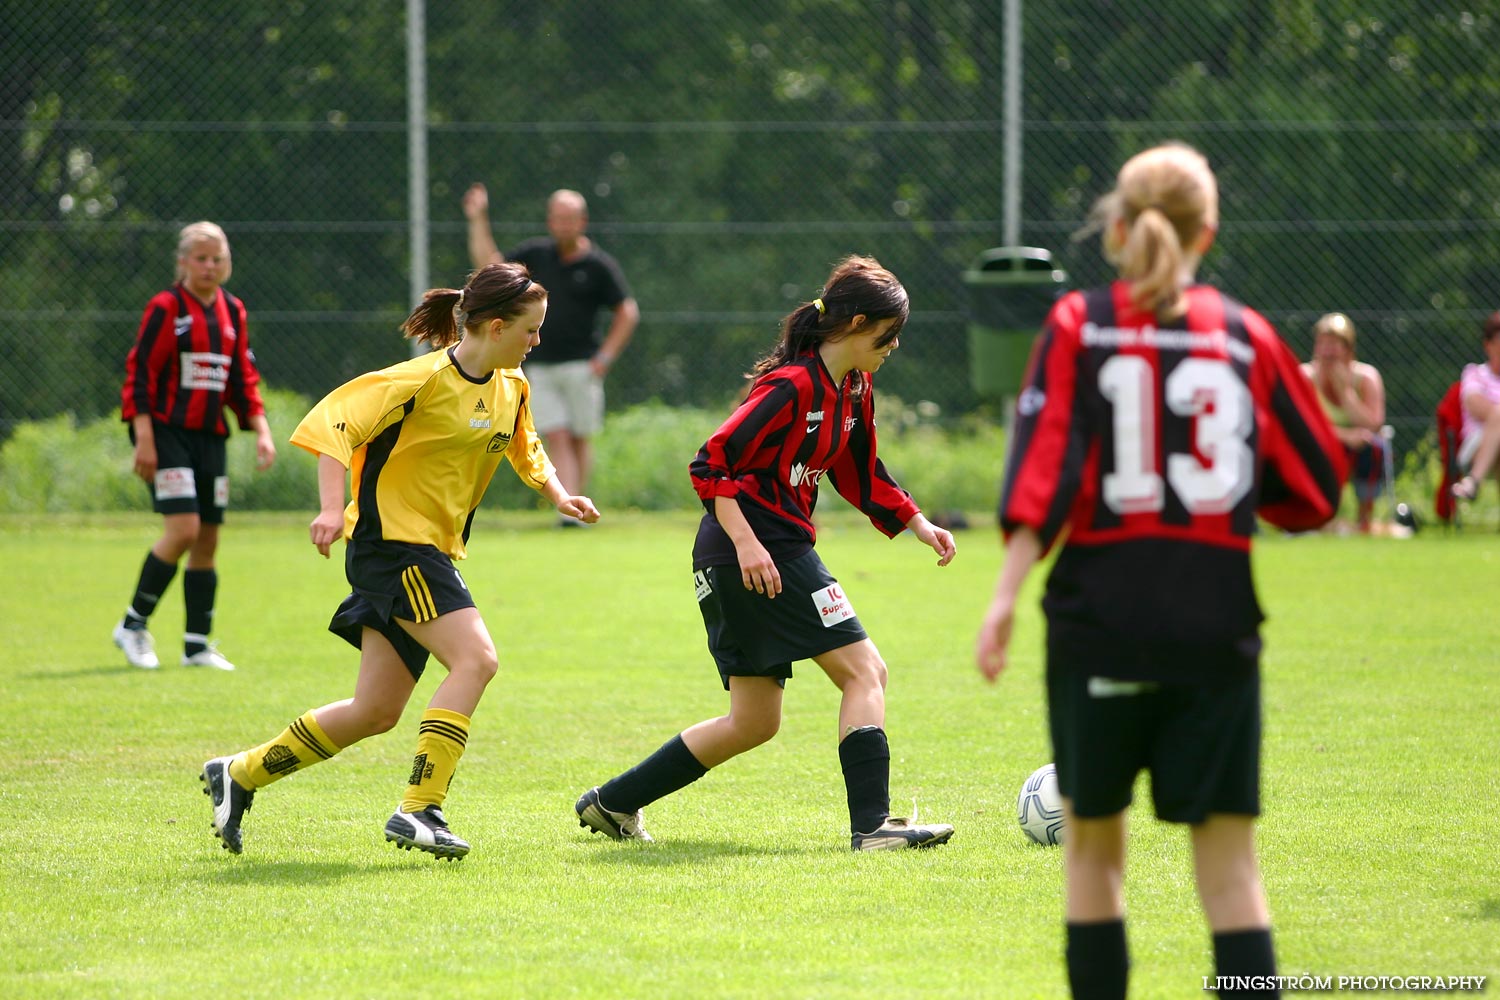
(422, 440)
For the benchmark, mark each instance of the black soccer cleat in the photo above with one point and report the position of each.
(230, 801)
(426, 831)
(617, 826)
(897, 834)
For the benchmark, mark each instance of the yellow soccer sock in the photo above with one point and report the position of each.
(299, 745)
(440, 742)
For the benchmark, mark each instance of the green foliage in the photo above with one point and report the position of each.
(291, 483)
(1379, 784)
(58, 465)
(61, 465)
(945, 467)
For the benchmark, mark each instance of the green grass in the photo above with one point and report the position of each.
(1382, 784)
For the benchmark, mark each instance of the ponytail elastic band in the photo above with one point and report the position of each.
(818, 305)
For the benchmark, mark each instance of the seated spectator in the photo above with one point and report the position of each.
(1353, 397)
(1479, 390)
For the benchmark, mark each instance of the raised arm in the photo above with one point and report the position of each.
(482, 248)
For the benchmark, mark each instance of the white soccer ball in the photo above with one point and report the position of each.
(1039, 807)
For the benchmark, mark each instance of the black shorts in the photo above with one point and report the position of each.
(751, 635)
(1201, 743)
(192, 473)
(392, 580)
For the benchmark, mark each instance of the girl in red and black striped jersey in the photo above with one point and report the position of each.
(1157, 419)
(191, 359)
(767, 599)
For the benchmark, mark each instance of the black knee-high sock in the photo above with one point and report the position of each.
(865, 757)
(671, 767)
(199, 586)
(1243, 954)
(1098, 961)
(155, 575)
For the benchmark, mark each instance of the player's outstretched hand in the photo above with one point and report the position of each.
(326, 528)
(578, 508)
(939, 539)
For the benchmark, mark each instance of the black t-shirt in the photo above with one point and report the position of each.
(576, 291)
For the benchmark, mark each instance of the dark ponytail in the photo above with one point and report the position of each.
(495, 291)
(858, 286)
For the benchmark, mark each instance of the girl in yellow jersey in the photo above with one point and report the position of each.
(421, 441)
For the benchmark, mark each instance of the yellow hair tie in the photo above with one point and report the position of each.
(818, 305)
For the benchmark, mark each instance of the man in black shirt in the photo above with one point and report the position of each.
(566, 370)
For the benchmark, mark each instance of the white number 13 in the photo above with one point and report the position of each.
(1202, 389)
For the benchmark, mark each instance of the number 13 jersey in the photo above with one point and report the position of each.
(1150, 448)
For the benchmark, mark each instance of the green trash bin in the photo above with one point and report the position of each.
(1011, 289)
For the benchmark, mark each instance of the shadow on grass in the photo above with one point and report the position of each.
(1485, 909)
(680, 852)
(262, 873)
(119, 669)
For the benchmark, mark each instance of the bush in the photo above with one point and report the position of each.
(58, 465)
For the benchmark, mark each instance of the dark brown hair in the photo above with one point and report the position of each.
(1491, 326)
(858, 286)
(495, 291)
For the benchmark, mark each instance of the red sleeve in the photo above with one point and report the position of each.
(1303, 465)
(755, 425)
(148, 357)
(244, 378)
(1043, 466)
(861, 478)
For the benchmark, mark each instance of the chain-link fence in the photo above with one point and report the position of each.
(730, 153)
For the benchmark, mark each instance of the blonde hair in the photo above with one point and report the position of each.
(1338, 326)
(201, 232)
(1166, 197)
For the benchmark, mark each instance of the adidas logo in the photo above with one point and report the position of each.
(479, 407)
(339, 426)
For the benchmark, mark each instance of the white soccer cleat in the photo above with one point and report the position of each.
(897, 834)
(139, 647)
(210, 657)
(230, 801)
(426, 831)
(617, 826)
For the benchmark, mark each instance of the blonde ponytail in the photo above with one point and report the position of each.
(1151, 260)
(1153, 221)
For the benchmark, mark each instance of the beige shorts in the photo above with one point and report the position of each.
(566, 396)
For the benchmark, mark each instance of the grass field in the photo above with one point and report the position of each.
(1382, 784)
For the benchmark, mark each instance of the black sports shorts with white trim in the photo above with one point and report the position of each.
(752, 635)
(1199, 741)
(192, 473)
(392, 580)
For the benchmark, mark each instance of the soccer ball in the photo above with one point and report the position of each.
(1039, 807)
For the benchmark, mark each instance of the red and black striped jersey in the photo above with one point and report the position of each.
(1152, 448)
(190, 361)
(793, 428)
